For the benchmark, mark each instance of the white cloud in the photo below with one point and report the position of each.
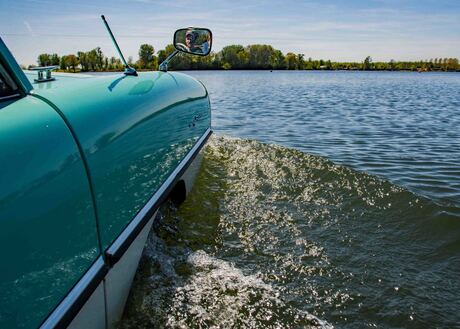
(334, 30)
(29, 28)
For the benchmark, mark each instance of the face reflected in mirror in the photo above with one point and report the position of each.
(195, 41)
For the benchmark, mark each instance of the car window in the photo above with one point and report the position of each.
(7, 86)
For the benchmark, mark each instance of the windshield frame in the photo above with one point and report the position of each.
(13, 71)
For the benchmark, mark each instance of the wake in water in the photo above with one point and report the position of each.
(272, 238)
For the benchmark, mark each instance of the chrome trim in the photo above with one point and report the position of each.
(69, 307)
(44, 73)
(164, 65)
(4, 98)
(124, 240)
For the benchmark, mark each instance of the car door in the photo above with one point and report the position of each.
(134, 131)
(48, 231)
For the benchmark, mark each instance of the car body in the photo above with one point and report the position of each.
(85, 162)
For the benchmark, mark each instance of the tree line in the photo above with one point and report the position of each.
(236, 57)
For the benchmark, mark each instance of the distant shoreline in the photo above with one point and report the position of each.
(259, 70)
(172, 68)
(235, 57)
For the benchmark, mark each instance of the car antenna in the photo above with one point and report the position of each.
(128, 69)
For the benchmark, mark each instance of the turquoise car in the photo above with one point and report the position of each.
(85, 162)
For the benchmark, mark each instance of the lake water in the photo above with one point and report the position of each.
(324, 199)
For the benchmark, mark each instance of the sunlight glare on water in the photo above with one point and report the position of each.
(272, 237)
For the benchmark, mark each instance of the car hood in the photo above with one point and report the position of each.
(100, 89)
(94, 105)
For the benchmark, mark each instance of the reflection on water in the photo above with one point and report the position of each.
(271, 237)
(398, 125)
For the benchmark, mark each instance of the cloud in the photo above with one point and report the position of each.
(29, 28)
(329, 29)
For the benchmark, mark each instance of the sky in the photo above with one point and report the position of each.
(339, 30)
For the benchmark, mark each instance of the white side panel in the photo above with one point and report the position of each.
(92, 315)
(190, 174)
(118, 280)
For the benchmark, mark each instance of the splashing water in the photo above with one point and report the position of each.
(271, 237)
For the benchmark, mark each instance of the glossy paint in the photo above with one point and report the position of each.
(48, 236)
(79, 157)
(133, 132)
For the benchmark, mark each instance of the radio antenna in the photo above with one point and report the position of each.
(128, 69)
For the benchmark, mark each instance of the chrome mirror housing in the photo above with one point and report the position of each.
(193, 40)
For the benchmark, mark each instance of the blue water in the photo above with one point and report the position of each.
(399, 125)
(324, 199)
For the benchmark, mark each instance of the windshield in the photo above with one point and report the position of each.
(7, 85)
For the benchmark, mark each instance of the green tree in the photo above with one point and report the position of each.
(392, 65)
(72, 61)
(367, 65)
(146, 56)
(259, 56)
(291, 61)
(444, 64)
(44, 60)
(180, 62)
(92, 60)
(118, 65)
(69, 62)
(205, 62)
(164, 53)
(452, 64)
(277, 60)
(300, 61)
(99, 58)
(83, 58)
(309, 64)
(233, 56)
(63, 63)
(54, 59)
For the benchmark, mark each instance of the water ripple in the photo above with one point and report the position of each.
(407, 121)
(273, 238)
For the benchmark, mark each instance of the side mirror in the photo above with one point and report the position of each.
(193, 40)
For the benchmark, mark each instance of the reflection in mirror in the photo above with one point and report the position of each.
(192, 40)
